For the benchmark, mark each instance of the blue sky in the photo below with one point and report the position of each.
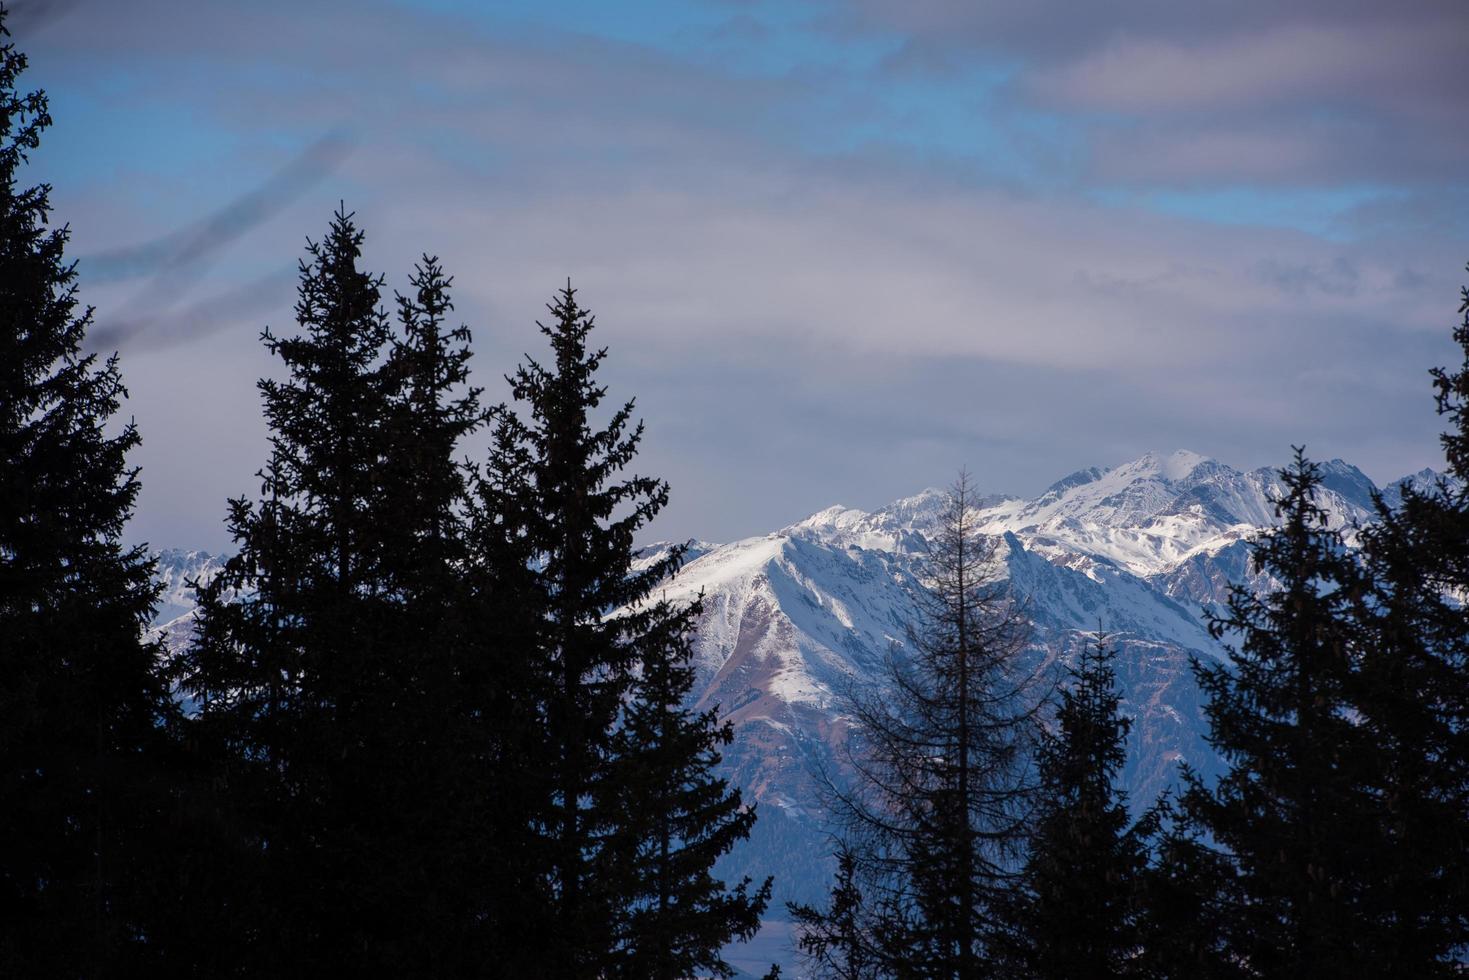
(838, 249)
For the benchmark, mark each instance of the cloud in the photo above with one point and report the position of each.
(191, 246)
(804, 318)
(31, 16)
(136, 327)
(1054, 30)
(1321, 63)
(796, 338)
(1247, 92)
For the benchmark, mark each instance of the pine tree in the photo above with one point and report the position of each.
(330, 688)
(937, 817)
(433, 409)
(1415, 653)
(1078, 910)
(1452, 394)
(676, 819)
(1293, 812)
(86, 722)
(554, 496)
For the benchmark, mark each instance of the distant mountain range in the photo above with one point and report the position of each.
(1141, 551)
(794, 619)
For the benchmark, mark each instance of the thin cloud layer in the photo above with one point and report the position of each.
(1300, 93)
(828, 267)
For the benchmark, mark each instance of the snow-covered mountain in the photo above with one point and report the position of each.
(176, 572)
(1152, 513)
(794, 619)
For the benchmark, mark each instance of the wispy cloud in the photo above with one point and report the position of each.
(837, 249)
(1307, 93)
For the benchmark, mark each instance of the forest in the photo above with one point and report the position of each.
(435, 715)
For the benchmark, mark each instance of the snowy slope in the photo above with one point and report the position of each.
(176, 571)
(1154, 512)
(794, 619)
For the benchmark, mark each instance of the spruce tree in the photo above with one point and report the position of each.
(675, 820)
(937, 815)
(1414, 699)
(433, 408)
(1293, 812)
(443, 833)
(1184, 912)
(1077, 912)
(86, 721)
(1415, 638)
(505, 691)
(837, 941)
(329, 688)
(556, 497)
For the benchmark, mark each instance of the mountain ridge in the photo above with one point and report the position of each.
(797, 619)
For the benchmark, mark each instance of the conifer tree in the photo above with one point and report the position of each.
(506, 690)
(1293, 813)
(432, 409)
(329, 687)
(1183, 912)
(937, 817)
(86, 721)
(837, 941)
(556, 490)
(1414, 700)
(676, 820)
(443, 833)
(1078, 903)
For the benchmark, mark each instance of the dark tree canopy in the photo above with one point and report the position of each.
(1414, 699)
(628, 816)
(1183, 911)
(86, 721)
(324, 667)
(675, 819)
(1078, 902)
(1293, 811)
(838, 941)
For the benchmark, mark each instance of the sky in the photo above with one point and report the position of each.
(836, 248)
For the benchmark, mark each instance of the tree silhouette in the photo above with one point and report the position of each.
(675, 820)
(87, 726)
(1293, 812)
(628, 819)
(1078, 904)
(1414, 700)
(325, 661)
(937, 815)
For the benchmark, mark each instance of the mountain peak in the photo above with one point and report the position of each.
(1422, 480)
(1170, 467)
(920, 509)
(1078, 479)
(1348, 481)
(837, 517)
